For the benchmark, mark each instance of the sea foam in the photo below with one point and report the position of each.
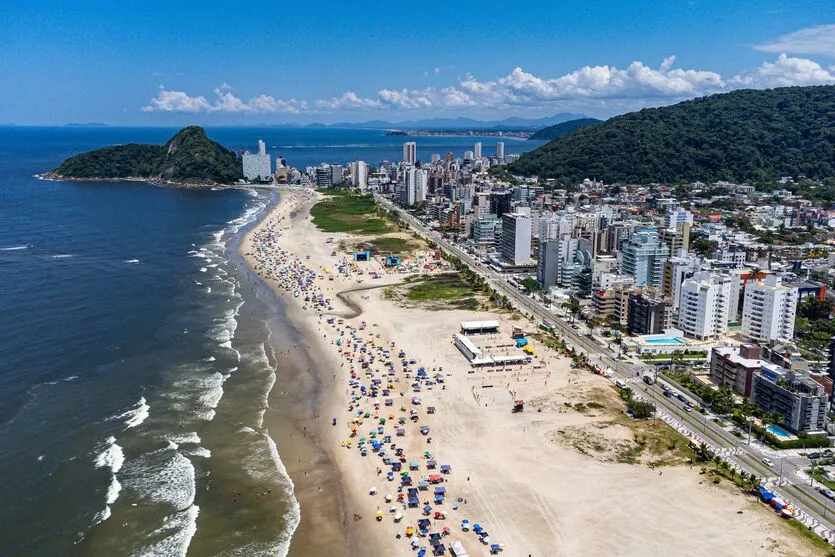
(136, 415)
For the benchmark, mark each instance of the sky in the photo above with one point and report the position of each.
(155, 63)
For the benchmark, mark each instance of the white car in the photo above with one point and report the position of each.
(768, 462)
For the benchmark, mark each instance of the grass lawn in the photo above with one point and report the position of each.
(446, 287)
(346, 212)
(822, 478)
(390, 245)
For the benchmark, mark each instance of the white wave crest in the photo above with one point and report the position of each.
(136, 415)
(178, 530)
(15, 248)
(112, 457)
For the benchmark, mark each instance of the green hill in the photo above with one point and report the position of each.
(559, 130)
(189, 157)
(738, 136)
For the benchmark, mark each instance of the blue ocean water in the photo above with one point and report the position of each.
(134, 364)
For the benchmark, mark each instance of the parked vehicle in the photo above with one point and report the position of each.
(768, 462)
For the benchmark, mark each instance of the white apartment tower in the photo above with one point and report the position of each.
(410, 152)
(703, 306)
(257, 166)
(500, 151)
(516, 238)
(768, 310)
(477, 150)
(359, 174)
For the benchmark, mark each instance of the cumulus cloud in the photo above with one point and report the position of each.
(811, 40)
(602, 87)
(347, 101)
(177, 101)
(225, 101)
(787, 71)
(598, 82)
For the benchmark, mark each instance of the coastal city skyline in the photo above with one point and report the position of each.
(440, 279)
(599, 61)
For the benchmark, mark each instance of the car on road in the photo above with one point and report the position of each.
(688, 408)
(768, 462)
(681, 397)
(814, 455)
(621, 384)
(668, 394)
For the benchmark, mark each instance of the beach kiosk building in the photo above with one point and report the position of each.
(479, 327)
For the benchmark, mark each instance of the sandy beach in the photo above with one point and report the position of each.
(543, 482)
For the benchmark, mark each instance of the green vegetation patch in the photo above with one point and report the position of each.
(390, 245)
(188, 157)
(446, 287)
(737, 136)
(813, 538)
(343, 211)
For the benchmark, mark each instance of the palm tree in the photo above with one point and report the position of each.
(717, 460)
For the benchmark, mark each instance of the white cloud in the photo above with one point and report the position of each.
(180, 101)
(787, 71)
(811, 40)
(347, 101)
(595, 82)
(605, 88)
(177, 101)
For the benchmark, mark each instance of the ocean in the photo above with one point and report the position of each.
(137, 355)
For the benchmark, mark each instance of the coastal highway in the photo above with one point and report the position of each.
(746, 457)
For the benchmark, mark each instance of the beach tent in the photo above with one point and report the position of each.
(435, 478)
(440, 489)
(456, 549)
(413, 502)
(446, 468)
(431, 464)
(439, 550)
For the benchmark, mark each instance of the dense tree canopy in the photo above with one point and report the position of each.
(738, 136)
(188, 157)
(559, 130)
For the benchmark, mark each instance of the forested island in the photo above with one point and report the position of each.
(188, 158)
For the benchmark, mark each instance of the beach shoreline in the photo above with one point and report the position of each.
(525, 476)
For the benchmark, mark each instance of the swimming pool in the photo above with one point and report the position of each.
(665, 340)
(778, 431)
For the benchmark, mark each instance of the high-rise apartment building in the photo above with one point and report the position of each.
(516, 238)
(500, 151)
(257, 166)
(359, 174)
(410, 152)
(643, 257)
(703, 306)
(768, 310)
(477, 150)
